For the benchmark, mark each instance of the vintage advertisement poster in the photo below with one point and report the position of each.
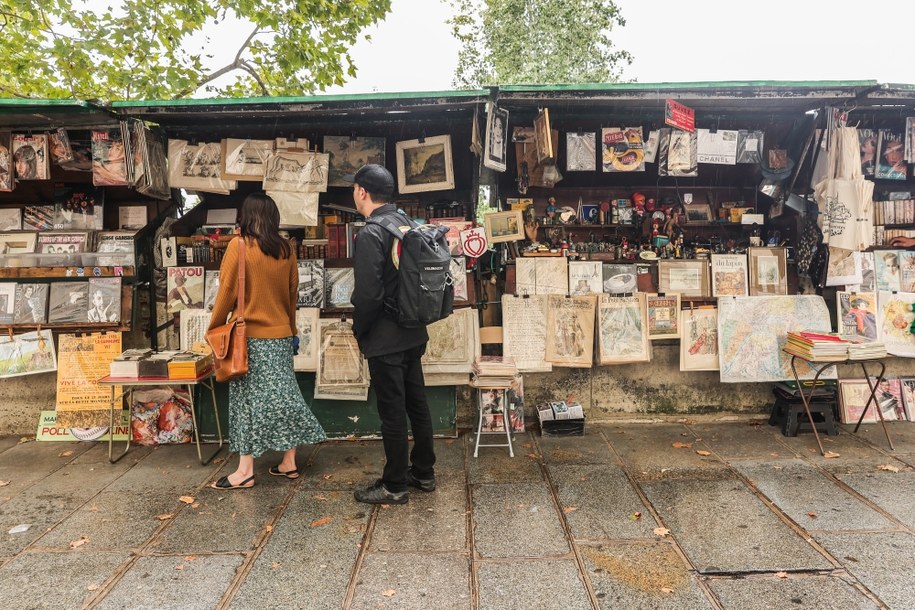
(570, 336)
(185, 288)
(729, 275)
(81, 361)
(27, 354)
(622, 149)
(699, 339)
(719, 148)
(524, 332)
(305, 357)
(622, 329)
(857, 314)
(663, 316)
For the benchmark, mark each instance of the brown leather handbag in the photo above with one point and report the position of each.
(229, 343)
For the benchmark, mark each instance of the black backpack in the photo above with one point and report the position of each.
(426, 291)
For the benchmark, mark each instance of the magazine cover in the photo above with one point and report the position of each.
(30, 156)
(82, 156)
(210, 288)
(185, 287)
(7, 302)
(867, 141)
(59, 143)
(68, 302)
(857, 314)
(31, 304)
(152, 177)
(104, 299)
(311, 283)
(109, 159)
(6, 162)
(891, 163)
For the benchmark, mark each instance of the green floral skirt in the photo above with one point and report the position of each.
(266, 408)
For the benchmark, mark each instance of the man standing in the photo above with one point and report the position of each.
(393, 351)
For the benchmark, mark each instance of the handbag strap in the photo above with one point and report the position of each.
(241, 280)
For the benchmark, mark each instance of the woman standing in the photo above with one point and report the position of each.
(266, 408)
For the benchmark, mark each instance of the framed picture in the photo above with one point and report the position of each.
(768, 271)
(349, 153)
(543, 136)
(854, 395)
(424, 166)
(496, 139)
(503, 226)
(689, 278)
(699, 212)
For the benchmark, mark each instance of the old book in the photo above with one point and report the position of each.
(68, 303)
(127, 365)
(189, 365)
(155, 365)
(729, 275)
(31, 304)
(338, 287)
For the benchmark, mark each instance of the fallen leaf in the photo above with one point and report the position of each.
(180, 567)
(703, 452)
(533, 456)
(679, 445)
(782, 574)
(78, 543)
(322, 521)
(661, 531)
(635, 516)
(666, 590)
(321, 498)
(93, 509)
(812, 515)
(92, 587)
(830, 454)
(25, 439)
(191, 558)
(569, 509)
(527, 445)
(888, 467)
(389, 592)
(275, 564)
(327, 477)
(4, 483)
(65, 454)
(186, 499)
(195, 505)
(164, 517)
(269, 528)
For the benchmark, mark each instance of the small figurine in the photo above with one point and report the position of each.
(551, 210)
(651, 205)
(638, 202)
(655, 229)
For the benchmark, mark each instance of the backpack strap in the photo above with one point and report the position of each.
(390, 223)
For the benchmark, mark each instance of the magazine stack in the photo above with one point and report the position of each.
(815, 346)
(493, 372)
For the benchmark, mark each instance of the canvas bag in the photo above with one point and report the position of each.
(229, 342)
(425, 293)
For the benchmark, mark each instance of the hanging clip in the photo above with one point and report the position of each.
(422, 137)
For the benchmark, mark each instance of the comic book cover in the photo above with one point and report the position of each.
(109, 159)
(30, 156)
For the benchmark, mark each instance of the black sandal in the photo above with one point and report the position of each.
(289, 474)
(224, 483)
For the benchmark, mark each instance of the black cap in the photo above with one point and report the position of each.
(374, 178)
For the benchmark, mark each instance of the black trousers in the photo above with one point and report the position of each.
(400, 390)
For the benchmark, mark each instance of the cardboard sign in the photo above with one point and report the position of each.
(679, 116)
(48, 430)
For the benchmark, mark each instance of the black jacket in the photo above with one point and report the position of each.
(376, 280)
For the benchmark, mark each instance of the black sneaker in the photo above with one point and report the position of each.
(426, 485)
(377, 493)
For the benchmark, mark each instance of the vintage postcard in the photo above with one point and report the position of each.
(622, 335)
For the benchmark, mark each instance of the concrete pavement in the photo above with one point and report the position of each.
(675, 515)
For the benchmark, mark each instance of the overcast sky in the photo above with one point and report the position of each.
(701, 40)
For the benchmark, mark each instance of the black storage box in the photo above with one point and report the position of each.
(563, 427)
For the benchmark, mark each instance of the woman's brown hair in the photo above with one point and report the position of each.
(260, 219)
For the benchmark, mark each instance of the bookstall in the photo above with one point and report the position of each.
(637, 243)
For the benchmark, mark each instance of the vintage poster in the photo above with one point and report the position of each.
(906, 270)
(30, 156)
(844, 267)
(338, 287)
(524, 332)
(752, 332)
(570, 336)
(729, 275)
(585, 277)
(31, 304)
(622, 149)
(581, 151)
(82, 361)
(342, 372)
(68, 302)
(104, 299)
(299, 172)
(699, 339)
(27, 354)
(185, 287)
(305, 357)
(542, 275)
(109, 161)
(663, 315)
(245, 159)
(894, 321)
(496, 145)
(455, 225)
(297, 209)
(311, 283)
(719, 148)
(197, 167)
(855, 394)
(6, 162)
(346, 154)
(622, 329)
(868, 274)
(857, 314)
(907, 388)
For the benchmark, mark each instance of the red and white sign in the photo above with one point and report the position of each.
(473, 241)
(679, 116)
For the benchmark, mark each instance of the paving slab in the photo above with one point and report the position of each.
(723, 527)
(796, 591)
(494, 466)
(648, 451)
(112, 521)
(157, 583)
(305, 564)
(891, 491)
(854, 454)
(591, 448)
(637, 576)
(516, 520)
(416, 580)
(55, 580)
(813, 501)
(537, 584)
(43, 457)
(742, 440)
(902, 433)
(7, 442)
(881, 561)
(449, 455)
(344, 465)
(223, 521)
(435, 521)
(170, 469)
(600, 503)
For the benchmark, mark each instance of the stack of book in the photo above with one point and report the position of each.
(147, 364)
(493, 372)
(821, 346)
(865, 350)
(189, 365)
(127, 365)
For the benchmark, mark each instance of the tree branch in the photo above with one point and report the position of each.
(239, 63)
(250, 70)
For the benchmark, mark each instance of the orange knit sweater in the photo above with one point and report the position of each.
(270, 292)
